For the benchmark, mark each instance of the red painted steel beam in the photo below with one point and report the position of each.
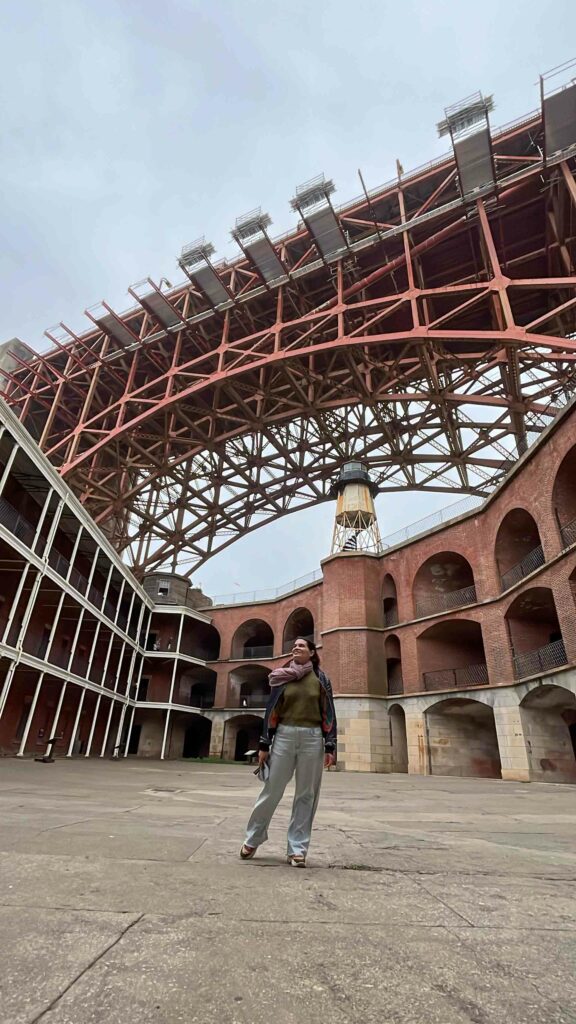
(183, 440)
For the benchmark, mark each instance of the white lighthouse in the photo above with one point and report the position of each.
(355, 524)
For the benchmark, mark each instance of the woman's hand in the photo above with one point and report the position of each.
(329, 760)
(263, 756)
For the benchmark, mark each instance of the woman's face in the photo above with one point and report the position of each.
(301, 652)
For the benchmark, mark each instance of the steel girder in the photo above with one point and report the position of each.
(435, 345)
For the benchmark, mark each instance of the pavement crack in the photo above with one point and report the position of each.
(350, 838)
(67, 824)
(192, 855)
(435, 896)
(86, 969)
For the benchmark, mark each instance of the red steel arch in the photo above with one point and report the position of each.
(434, 343)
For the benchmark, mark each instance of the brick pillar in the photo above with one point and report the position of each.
(352, 636)
(417, 739)
(512, 744)
(497, 647)
(221, 693)
(565, 610)
(411, 676)
(217, 737)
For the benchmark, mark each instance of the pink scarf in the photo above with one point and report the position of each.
(290, 674)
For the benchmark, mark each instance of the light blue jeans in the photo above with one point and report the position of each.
(295, 749)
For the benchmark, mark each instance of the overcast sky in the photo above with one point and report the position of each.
(131, 128)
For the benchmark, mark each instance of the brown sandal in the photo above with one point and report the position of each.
(246, 852)
(297, 860)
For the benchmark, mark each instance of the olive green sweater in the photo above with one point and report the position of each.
(300, 703)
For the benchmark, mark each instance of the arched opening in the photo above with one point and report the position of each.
(398, 738)
(518, 550)
(443, 581)
(549, 721)
(393, 657)
(197, 736)
(202, 694)
(196, 687)
(462, 739)
(241, 734)
(535, 633)
(389, 601)
(200, 640)
(249, 687)
(300, 623)
(451, 655)
(253, 639)
(564, 498)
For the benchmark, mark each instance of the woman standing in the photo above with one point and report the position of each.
(301, 720)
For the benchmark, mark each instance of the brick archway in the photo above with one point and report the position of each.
(549, 720)
(462, 739)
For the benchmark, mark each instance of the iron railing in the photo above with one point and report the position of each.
(58, 562)
(255, 596)
(266, 651)
(203, 701)
(568, 534)
(395, 685)
(61, 565)
(253, 700)
(455, 678)
(17, 524)
(25, 531)
(288, 645)
(533, 560)
(445, 600)
(439, 518)
(544, 659)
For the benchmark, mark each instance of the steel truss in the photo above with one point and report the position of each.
(434, 344)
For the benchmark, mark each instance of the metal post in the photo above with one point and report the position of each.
(76, 722)
(129, 733)
(7, 685)
(119, 605)
(47, 758)
(75, 641)
(30, 715)
(145, 634)
(129, 614)
(54, 526)
(119, 668)
(107, 584)
(172, 684)
(74, 552)
(112, 701)
(93, 726)
(41, 519)
(29, 609)
(106, 662)
(15, 602)
(108, 724)
(54, 626)
(138, 650)
(93, 650)
(8, 465)
(117, 745)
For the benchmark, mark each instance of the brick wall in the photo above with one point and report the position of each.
(348, 604)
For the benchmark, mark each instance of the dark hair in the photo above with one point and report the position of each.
(313, 653)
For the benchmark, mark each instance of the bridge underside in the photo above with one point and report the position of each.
(435, 341)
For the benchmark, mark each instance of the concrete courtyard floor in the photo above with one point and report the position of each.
(122, 900)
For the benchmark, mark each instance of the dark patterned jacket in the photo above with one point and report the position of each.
(328, 715)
